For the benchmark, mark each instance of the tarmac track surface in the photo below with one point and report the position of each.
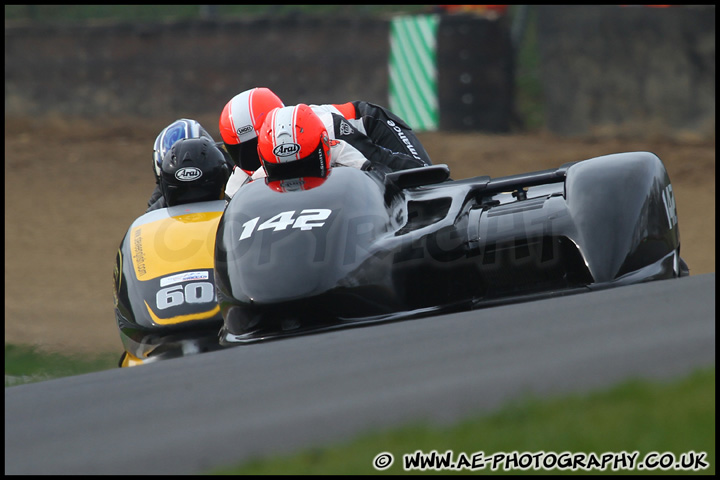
(188, 415)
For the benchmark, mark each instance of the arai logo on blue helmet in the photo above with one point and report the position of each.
(286, 149)
(188, 174)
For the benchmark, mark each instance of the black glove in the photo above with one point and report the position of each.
(376, 167)
(377, 154)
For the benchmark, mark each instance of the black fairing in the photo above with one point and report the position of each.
(624, 211)
(362, 247)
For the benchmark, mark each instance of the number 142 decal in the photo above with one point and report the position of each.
(306, 220)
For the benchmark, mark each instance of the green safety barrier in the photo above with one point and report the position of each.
(413, 70)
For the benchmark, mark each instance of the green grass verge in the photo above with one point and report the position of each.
(637, 416)
(26, 364)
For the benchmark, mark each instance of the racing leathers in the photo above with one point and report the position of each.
(381, 127)
(154, 201)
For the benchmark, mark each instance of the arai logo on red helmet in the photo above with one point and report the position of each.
(286, 149)
(188, 174)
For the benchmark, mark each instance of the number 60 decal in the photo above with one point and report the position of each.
(306, 220)
(195, 292)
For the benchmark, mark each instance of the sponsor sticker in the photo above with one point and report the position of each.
(345, 128)
(184, 277)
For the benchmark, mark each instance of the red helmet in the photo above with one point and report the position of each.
(293, 142)
(240, 122)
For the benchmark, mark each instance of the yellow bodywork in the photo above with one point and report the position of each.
(130, 360)
(174, 244)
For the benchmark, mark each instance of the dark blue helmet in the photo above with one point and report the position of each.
(182, 128)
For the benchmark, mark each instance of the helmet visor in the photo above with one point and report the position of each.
(179, 195)
(245, 154)
(313, 165)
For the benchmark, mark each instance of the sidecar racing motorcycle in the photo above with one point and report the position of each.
(165, 301)
(358, 247)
